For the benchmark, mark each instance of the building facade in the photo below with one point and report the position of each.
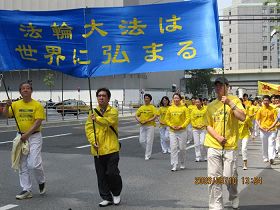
(250, 44)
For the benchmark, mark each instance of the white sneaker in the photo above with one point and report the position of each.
(24, 195)
(182, 167)
(116, 200)
(105, 203)
(265, 160)
(147, 158)
(174, 168)
(235, 203)
(245, 167)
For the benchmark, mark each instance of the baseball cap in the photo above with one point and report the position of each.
(221, 80)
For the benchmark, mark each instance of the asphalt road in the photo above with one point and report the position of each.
(71, 179)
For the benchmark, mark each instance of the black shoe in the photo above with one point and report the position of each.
(42, 188)
(271, 161)
(105, 203)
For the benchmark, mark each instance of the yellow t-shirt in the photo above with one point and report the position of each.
(27, 113)
(266, 116)
(161, 113)
(215, 119)
(191, 107)
(198, 118)
(247, 103)
(146, 112)
(244, 128)
(177, 116)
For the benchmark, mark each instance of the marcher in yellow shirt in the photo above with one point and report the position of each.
(252, 113)
(199, 130)
(177, 118)
(102, 133)
(163, 129)
(246, 102)
(222, 142)
(146, 116)
(244, 136)
(29, 115)
(266, 118)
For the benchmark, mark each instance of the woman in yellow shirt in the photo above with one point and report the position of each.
(146, 116)
(177, 118)
(163, 130)
(244, 135)
(199, 130)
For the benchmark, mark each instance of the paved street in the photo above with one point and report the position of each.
(71, 179)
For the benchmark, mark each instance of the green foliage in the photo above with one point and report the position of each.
(198, 79)
(49, 81)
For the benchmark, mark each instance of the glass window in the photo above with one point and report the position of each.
(265, 58)
(264, 48)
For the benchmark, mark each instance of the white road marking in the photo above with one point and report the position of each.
(88, 145)
(9, 206)
(44, 137)
(58, 135)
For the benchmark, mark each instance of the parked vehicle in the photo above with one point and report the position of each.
(50, 105)
(72, 106)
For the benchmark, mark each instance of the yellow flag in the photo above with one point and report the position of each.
(265, 88)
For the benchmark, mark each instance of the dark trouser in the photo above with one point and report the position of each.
(108, 175)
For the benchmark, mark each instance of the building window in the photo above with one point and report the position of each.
(230, 59)
(229, 13)
(230, 30)
(264, 38)
(265, 58)
(229, 22)
(230, 49)
(264, 67)
(230, 68)
(264, 28)
(264, 48)
(229, 40)
(271, 10)
(263, 10)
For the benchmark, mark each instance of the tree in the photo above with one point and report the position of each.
(49, 81)
(275, 3)
(199, 79)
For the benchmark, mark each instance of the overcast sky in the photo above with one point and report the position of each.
(223, 4)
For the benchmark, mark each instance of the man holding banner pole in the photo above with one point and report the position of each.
(223, 144)
(104, 139)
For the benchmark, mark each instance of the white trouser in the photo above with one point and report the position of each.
(256, 130)
(178, 146)
(198, 138)
(32, 163)
(189, 132)
(218, 167)
(164, 138)
(243, 145)
(277, 141)
(146, 139)
(268, 144)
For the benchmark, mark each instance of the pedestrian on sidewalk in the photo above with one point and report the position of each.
(146, 116)
(163, 128)
(29, 115)
(177, 118)
(199, 130)
(266, 118)
(102, 133)
(222, 143)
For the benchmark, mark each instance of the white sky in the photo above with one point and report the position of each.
(223, 4)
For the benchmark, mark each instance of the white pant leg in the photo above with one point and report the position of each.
(150, 140)
(164, 138)
(182, 138)
(189, 133)
(203, 150)
(271, 145)
(277, 141)
(244, 148)
(32, 163)
(174, 144)
(256, 128)
(196, 139)
(215, 170)
(143, 136)
(230, 170)
(264, 138)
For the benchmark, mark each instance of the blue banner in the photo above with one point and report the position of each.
(93, 42)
